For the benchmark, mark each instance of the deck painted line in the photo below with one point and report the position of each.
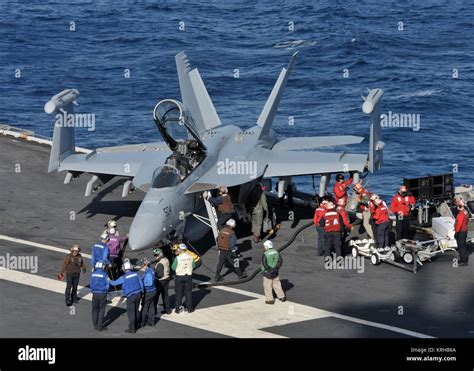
(195, 319)
(249, 318)
(40, 245)
(56, 286)
(298, 307)
(209, 319)
(382, 326)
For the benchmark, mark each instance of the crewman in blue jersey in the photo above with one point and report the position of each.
(148, 307)
(99, 284)
(100, 250)
(132, 287)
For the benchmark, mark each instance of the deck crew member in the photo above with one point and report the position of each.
(332, 229)
(382, 221)
(224, 204)
(340, 187)
(401, 206)
(226, 243)
(132, 287)
(100, 250)
(196, 258)
(460, 232)
(341, 209)
(111, 224)
(115, 245)
(148, 306)
(99, 284)
(163, 277)
(183, 266)
(319, 224)
(72, 265)
(363, 201)
(258, 208)
(271, 263)
(372, 208)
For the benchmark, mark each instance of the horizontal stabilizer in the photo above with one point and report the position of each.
(291, 144)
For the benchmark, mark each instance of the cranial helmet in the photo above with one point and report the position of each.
(231, 223)
(268, 245)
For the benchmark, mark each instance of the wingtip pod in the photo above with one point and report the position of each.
(63, 135)
(371, 100)
(61, 100)
(371, 106)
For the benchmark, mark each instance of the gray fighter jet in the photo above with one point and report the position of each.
(199, 153)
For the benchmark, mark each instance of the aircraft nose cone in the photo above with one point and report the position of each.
(144, 233)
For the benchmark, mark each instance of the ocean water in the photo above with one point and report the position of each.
(419, 52)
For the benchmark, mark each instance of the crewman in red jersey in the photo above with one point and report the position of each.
(340, 187)
(341, 209)
(460, 232)
(382, 221)
(332, 229)
(401, 206)
(318, 216)
(363, 206)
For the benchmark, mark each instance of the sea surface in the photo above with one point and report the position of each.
(120, 56)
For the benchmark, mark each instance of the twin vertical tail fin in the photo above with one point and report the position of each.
(268, 113)
(195, 96)
(371, 106)
(63, 137)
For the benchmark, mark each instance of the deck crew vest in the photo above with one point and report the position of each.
(332, 221)
(132, 284)
(226, 206)
(185, 265)
(223, 239)
(98, 282)
(166, 268)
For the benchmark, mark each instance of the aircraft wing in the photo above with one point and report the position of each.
(290, 144)
(121, 164)
(142, 147)
(105, 165)
(290, 163)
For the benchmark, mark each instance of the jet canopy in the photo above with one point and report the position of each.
(166, 176)
(175, 123)
(177, 128)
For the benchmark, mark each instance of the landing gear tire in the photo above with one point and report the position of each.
(355, 252)
(374, 259)
(391, 257)
(408, 258)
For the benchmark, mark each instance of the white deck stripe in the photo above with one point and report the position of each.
(246, 315)
(40, 245)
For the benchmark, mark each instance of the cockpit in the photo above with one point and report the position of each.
(177, 128)
(166, 176)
